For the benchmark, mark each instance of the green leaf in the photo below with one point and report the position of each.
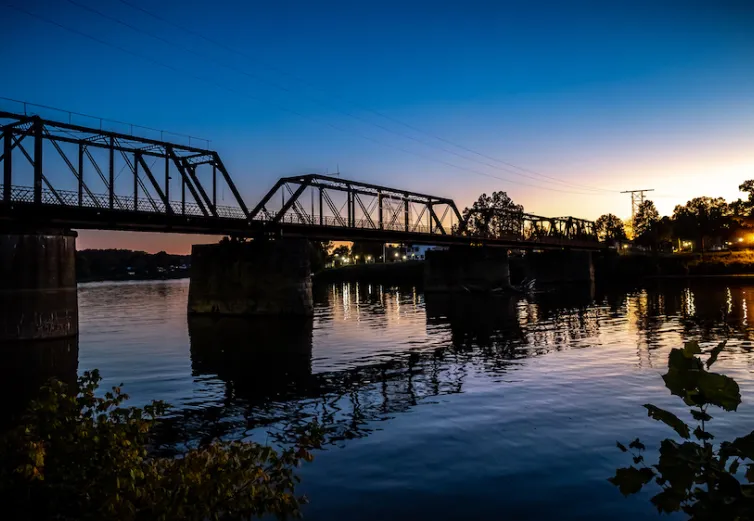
(713, 354)
(691, 348)
(700, 415)
(682, 376)
(630, 480)
(669, 419)
(702, 435)
(742, 447)
(679, 463)
(668, 501)
(719, 390)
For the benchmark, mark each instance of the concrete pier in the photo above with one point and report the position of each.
(559, 266)
(38, 285)
(27, 365)
(466, 269)
(260, 277)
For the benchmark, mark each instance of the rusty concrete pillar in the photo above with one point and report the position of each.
(37, 285)
(259, 277)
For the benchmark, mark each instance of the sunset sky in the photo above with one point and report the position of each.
(561, 104)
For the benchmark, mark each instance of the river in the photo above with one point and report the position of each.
(437, 408)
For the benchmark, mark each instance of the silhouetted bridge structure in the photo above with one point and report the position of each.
(65, 175)
(59, 176)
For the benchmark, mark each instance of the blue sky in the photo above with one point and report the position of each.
(605, 95)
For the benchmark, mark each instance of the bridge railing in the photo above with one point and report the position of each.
(25, 194)
(528, 235)
(364, 224)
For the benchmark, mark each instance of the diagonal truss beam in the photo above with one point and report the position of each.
(292, 200)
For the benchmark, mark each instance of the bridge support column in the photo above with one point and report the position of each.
(562, 266)
(38, 285)
(260, 277)
(466, 269)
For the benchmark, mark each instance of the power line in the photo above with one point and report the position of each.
(282, 107)
(133, 126)
(380, 114)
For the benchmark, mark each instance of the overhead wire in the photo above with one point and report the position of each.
(377, 113)
(286, 89)
(281, 107)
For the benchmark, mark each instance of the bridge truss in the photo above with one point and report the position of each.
(320, 200)
(66, 175)
(110, 170)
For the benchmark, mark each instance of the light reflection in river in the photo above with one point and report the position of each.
(437, 407)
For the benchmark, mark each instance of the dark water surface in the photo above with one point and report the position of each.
(438, 408)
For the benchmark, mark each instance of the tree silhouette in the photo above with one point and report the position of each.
(494, 216)
(646, 216)
(704, 217)
(609, 227)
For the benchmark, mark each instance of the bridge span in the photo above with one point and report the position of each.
(58, 176)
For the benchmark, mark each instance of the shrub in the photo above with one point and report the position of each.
(80, 456)
(695, 476)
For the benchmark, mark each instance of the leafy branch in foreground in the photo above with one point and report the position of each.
(77, 455)
(695, 476)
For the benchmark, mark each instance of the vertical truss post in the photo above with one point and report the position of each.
(7, 164)
(167, 177)
(214, 184)
(38, 126)
(81, 174)
(112, 173)
(406, 212)
(136, 181)
(431, 216)
(320, 207)
(349, 207)
(379, 205)
(183, 195)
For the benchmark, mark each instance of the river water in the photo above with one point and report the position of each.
(436, 408)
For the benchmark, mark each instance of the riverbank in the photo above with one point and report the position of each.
(183, 274)
(690, 265)
(392, 272)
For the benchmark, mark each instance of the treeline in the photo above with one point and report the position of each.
(115, 264)
(703, 223)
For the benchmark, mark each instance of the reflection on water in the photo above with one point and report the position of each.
(435, 406)
(28, 365)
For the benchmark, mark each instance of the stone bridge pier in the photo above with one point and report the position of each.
(258, 277)
(37, 285)
(559, 266)
(466, 269)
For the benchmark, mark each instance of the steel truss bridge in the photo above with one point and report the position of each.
(58, 174)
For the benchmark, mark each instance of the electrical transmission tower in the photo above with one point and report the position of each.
(637, 198)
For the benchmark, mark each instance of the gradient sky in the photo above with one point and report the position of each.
(602, 96)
